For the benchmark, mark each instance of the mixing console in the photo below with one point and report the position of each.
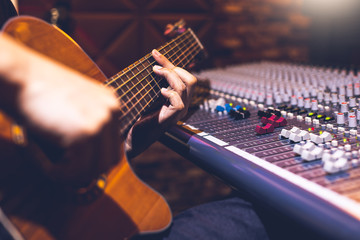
(287, 133)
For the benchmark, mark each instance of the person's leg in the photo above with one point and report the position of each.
(233, 218)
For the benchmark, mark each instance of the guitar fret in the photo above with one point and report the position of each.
(138, 86)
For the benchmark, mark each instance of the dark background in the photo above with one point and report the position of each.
(116, 33)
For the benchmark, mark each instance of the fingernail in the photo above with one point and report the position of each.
(164, 89)
(157, 67)
(156, 53)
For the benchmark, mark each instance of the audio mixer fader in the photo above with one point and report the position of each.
(288, 133)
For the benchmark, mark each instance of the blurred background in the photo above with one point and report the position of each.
(115, 33)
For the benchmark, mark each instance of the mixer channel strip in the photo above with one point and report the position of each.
(299, 123)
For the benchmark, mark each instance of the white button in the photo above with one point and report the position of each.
(298, 148)
(326, 157)
(326, 137)
(317, 152)
(304, 135)
(341, 164)
(285, 133)
(307, 156)
(338, 154)
(329, 167)
(341, 129)
(315, 138)
(295, 137)
(347, 147)
(295, 130)
(353, 132)
(309, 146)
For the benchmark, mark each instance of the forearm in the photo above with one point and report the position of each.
(10, 82)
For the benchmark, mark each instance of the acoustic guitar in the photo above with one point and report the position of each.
(39, 209)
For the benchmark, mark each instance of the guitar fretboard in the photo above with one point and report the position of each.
(137, 86)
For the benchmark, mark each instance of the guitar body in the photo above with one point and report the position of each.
(39, 209)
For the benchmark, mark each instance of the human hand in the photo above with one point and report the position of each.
(73, 119)
(151, 126)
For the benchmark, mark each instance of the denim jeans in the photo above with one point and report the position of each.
(233, 218)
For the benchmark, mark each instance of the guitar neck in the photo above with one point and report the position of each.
(137, 86)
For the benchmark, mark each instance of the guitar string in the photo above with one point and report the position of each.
(134, 117)
(135, 75)
(147, 103)
(140, 82)
(126, 70)
(150, 72)
(144, 87)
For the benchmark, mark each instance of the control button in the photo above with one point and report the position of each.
(307, 104)
(353, 132)
(336, 166)
(219, 109)
(269, 100)
(352, 121)
(308, 146)
(301, 136)
(318, 152)
(328, 119)
(340, 119)
(341, 164)
(334, 98)
(347, 147)
(320, 116)
(349, 90)
(285, 133)
(314, 106)
(352, 102)
(315, 138)
(268, 128)
(300, 102)
(344, 107)
(310, 155)
(326, 137)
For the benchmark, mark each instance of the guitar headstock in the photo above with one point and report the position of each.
(173, 30)
(178, 28)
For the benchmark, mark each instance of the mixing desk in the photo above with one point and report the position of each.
(285, 133)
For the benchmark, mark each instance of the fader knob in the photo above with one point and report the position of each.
(342, 98)
(278, 99)
(349, 90)
(314, 106)
(344, 107)
(334, 98)
(286, 98)
(300, 102)
(269, 100)
(352, 102)
(352, 121)
(320, 96)
(341, 90)
(327, 97)
(357, 89)
(260, 98)
(340, 119)
(307, 103)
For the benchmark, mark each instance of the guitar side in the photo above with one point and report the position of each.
(128, 206)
